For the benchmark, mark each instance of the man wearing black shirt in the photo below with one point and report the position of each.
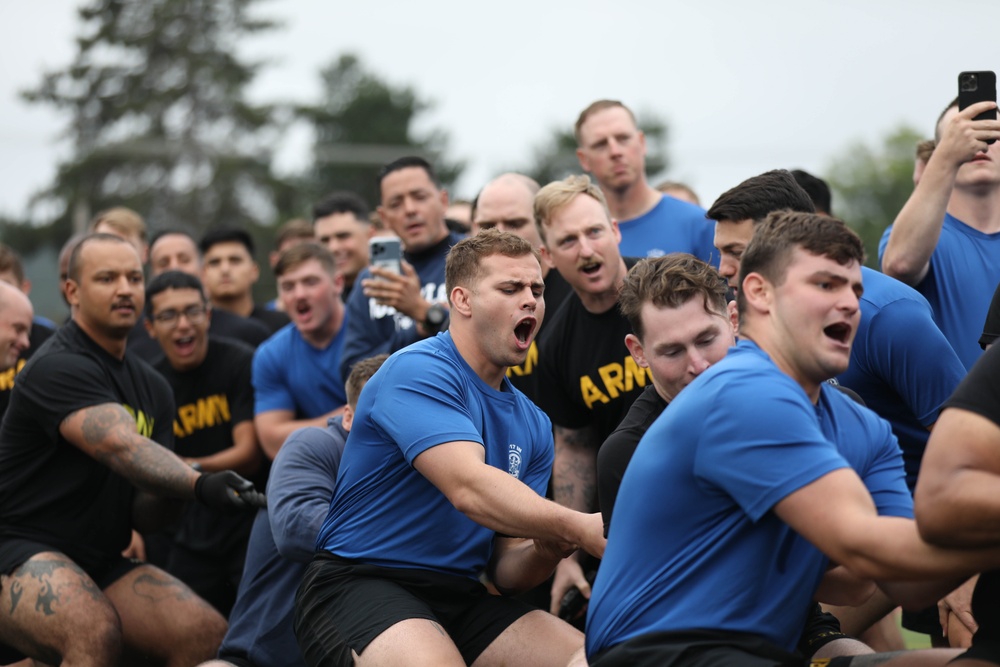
(676, 305)
(81, 463)
(213, 430)
(229, 273)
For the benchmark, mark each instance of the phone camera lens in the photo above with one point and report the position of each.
(968, 83)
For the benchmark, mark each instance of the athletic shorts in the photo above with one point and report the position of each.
(342, 605)
(14, 552)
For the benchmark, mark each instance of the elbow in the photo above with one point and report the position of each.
(902, 268)
(465, 500)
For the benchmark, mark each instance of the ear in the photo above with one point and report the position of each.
(757, 292)
(733, 312)
(581, 156)
(26, 287)
(634, 346)
(543, 250)
(642, 142)
(70, 289)
(460, 299)
(616, 231)
(347, 421)
(256, 272)
(149, 325)
(444, 198)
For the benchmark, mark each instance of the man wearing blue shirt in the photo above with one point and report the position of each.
(442, 479)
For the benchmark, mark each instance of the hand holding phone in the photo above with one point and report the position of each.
(978, 87)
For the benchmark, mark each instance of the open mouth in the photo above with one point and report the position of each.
(184, 344)
(591, 268)
(524, 329)
(302, 309)
(840, 332)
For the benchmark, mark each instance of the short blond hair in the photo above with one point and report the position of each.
(558, 194)
(123, 220)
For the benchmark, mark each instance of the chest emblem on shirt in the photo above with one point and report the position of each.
(514, 461)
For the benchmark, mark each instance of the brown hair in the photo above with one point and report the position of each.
(361, 372)
(463, 266)
(301, 253)
(925, 149)
(11, 261)
(770, 251)
(295, 229)
(670, 281)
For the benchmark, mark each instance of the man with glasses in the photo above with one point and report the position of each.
(213, 430)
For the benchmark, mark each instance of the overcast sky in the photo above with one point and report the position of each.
(744, 86)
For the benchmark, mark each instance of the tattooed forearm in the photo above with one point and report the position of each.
(108, 433)
(574, 472)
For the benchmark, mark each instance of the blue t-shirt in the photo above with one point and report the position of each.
(291, 374)
(374, 329)
(694, 543)
(901, 364)
(671, 226)
(386, 513)
(282, 545)
(964, 269)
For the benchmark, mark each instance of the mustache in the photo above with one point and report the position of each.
(120, 303)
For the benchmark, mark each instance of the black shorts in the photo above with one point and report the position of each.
(925, 621)
(342, 605)
(986, 611)
(696, 649)
(14, 552)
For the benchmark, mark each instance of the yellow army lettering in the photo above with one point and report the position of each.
(528, 367)
(616, 379)
(143, 424)
(204, 413)
(7, 377)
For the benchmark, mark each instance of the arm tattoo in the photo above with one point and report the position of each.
(110, 436)
(574, 473)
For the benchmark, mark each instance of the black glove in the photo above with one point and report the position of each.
(227, 492)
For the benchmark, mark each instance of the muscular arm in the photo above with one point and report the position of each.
(274, 426)
(494, 499)
(243, 457)
(917, 228)
(107, 433)
(837, 515)
(574, 472)
(956, 502)
(519, 565)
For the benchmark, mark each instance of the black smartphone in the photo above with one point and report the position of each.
(977, 87)
(386, 252)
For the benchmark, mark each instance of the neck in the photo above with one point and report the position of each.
(466, 344)
(321, 337)
(112, 344)
(638, 199)
(604, 301)
(784, 363)
(241, 305)
(977, 206)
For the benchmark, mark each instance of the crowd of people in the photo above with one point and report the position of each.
(592, 423)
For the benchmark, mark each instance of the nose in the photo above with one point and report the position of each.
(728, 268)
(697, 363)
(614, 147)
(22, 341)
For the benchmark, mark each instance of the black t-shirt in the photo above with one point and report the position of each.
(271, 319)
(586, 376)
(617, 450)
(39, 334)
(991, 327)
(211, 400)
(50, 490)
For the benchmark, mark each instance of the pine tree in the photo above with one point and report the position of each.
(158, 117)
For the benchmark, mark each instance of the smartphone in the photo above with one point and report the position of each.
(386, 252)
(977, 87)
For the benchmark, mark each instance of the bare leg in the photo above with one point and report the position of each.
(164, 619)
(52, 611)
(415, 642)
(537, 638)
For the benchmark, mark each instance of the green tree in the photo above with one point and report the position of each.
(555, 158)
(361, 122)
(158, 119)
(871, 184)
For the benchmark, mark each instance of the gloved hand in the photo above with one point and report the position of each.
(227, 492)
